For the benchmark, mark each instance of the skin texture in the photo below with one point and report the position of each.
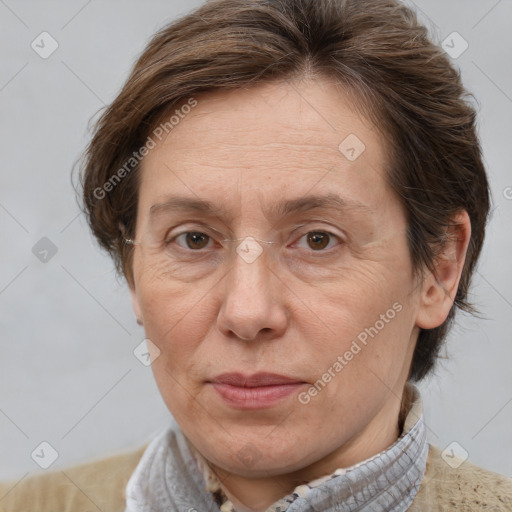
(292, 311)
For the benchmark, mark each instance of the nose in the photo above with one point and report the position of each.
(252, 307)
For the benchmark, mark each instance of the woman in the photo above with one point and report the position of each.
(295, 193)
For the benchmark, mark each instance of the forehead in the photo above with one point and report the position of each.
(260, 144)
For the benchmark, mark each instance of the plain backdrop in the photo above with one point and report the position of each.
(68, 374)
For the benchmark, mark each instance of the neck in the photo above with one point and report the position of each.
(260, 493)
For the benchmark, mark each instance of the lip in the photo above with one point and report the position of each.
(258, 391)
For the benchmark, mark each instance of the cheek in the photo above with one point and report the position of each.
(176, 322)
(177, 318)
(355, 299)
(366, 317)
(165, 302)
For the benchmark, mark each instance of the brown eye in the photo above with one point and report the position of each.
(318, 240)
(196, 240)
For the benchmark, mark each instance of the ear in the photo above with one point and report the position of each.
(136, 305)
(439, 288)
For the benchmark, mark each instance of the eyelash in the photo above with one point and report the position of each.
(320, 252)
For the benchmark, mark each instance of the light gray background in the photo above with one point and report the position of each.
(68, 375)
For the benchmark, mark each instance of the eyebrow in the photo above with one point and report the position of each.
(283, 208)
(316, 202)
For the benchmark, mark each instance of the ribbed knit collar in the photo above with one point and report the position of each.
(387, 481)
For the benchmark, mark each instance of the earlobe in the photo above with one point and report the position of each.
(439, 288)
(136, 306)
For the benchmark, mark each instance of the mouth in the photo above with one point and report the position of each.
(258, 391)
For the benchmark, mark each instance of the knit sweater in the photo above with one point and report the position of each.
(100, 486)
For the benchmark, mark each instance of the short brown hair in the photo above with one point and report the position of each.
(376, 49)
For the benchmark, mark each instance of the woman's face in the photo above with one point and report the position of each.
(329, 309)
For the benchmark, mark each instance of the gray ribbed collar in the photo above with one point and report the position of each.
(167, 477)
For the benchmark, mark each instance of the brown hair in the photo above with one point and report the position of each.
(375, 49)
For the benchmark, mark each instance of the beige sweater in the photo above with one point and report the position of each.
(99, 487)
